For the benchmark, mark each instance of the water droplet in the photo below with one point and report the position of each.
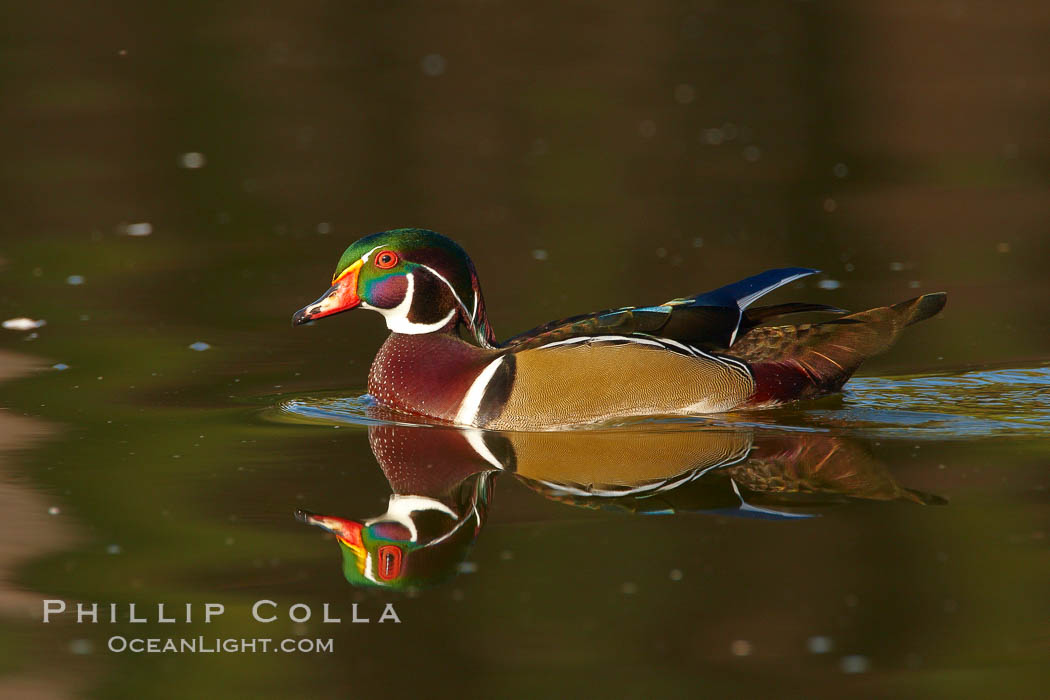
(713, 137)
(855, 663)
(740, 647)
(23, 324)
(143, 228)
(81, 647)
(433, 64)
(820, 644)
(192, 160)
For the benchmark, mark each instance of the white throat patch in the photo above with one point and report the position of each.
(397, 317)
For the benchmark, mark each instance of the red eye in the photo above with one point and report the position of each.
(389, 561)
(386, 259)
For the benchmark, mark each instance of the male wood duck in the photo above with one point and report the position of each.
(702, 354)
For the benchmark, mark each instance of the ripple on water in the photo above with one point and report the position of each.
(973, 403)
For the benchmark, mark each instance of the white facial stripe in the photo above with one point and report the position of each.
(472, 315)
(364, 258)
(471, 404)
(397, 317)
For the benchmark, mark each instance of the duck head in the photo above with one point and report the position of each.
(420, 281)
(418, 542)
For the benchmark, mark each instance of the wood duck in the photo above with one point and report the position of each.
(442, 484)
(701, 354)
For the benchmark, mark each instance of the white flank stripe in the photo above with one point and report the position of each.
(471, 404)
(474, 437)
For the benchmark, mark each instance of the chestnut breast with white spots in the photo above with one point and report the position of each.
(426, 374)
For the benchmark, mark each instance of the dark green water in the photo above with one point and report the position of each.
(587, 159)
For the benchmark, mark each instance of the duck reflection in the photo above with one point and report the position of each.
(441, 479)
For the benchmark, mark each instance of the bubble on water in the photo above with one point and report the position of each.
(324, 227)
(830, 205)
(896, 266)
(199, 346)
(740, 647)
(849, 267)
(840, 170)
(54, 510)
(467, 567)
(539, 254)
(60, 366)
(192, 160)
(80, 647)
(75, 280)
(142, 228)
(23, 324)
(1003, 247)
(647, 128)
(675, 575)
(698, 242)
(684, 93)
(629, 588)
(752, 154)
(829, 284)
(855, 663)
(113, 549)
(820, 644)
(661, 252)
(914, 284)
(433, 64)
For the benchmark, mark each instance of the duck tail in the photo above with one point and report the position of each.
(803, 362)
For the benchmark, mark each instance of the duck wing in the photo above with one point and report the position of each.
(709, 321)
